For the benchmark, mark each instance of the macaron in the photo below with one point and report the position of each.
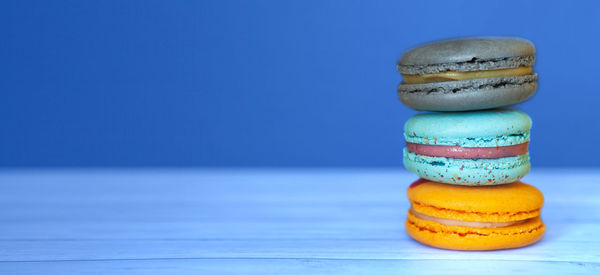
(467, 74)
(466, 218)
(468, 148)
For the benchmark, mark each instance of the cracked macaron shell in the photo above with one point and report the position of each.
(500, 203)
(490, 128)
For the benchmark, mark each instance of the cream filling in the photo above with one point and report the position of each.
(450, 222)
(454, 75)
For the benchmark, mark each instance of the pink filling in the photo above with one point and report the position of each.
(468, 152)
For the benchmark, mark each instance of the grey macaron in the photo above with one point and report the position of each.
(471, 56)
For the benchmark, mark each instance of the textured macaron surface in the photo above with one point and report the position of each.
(491, 128)
(472, 172)
(488, 130)
(467, 95)
(500, 203)
(467, 74)
(468, 54)
(469, 238)
(467, 218)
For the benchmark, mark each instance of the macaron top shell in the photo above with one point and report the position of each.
(491, 128)
(468, 54)
(498, 203)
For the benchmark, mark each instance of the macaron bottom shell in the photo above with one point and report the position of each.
(468, 95)
(468, 171)
(467, 238)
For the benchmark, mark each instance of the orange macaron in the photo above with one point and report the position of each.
(466, 218)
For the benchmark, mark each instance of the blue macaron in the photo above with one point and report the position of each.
(468, 148)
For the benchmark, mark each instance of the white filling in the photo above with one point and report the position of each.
(450, 222)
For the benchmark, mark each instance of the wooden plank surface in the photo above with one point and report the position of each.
(263, 221)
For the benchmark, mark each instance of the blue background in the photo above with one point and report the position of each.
(264, 83)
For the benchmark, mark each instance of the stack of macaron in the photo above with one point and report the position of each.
(469, 150)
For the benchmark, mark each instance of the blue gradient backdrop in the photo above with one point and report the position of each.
(264, 83)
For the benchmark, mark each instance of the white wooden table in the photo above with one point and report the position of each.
(264, 221)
